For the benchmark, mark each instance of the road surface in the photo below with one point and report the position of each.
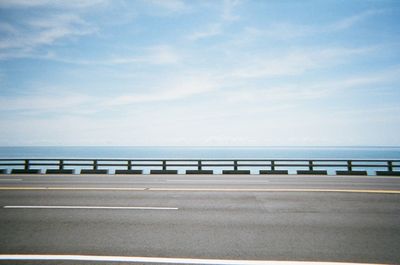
(227, 218)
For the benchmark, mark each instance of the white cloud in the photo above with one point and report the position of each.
(153, 55)
(293, 63)
(287, 30)
(210, 31)
(239, 95)
(34, 104)
(194, 84)
(296, 93)
(177, 88)
(280, 30)
(50, 3)
(352, 20)
(2, 76)
(376, 78)
(228, 9)
(276, 95)
(226, 17)
(169, 5)
(161, 54)
(287, 65)
(7, 28)
(271, 115)
(57, 27)
(36, 32)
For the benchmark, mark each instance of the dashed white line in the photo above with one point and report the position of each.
(91, 182)
(218, 180)
(87, 207)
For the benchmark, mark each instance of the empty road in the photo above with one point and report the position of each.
(181, 219)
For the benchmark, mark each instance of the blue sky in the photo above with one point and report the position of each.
(199, 73)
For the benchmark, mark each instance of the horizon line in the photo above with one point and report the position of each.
(209, 146)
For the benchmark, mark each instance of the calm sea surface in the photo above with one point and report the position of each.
(202, 152)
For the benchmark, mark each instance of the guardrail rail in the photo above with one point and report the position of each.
(382, 167)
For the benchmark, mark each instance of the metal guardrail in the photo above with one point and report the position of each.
(202, 166)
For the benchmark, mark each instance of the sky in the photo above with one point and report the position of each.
(199, 73)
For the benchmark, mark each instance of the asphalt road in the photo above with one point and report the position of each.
(269, 218)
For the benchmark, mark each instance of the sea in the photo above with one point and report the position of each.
(129, 152)
(200, 152)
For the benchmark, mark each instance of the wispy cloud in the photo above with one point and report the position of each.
(50, 3)
(44, 101)
(178, 88)
(278, 30)
(228, 10)
(30, 32)
(294, 93)
(378, 78)
(255, 98)
(7, 28)
(226, 17)
(169, 5)
(348, 22)
(36, 32)
(36, 104)
(288, 30)
(210, 31)
(294, 62)
(248, 72)
(153, 55)
(160, 54)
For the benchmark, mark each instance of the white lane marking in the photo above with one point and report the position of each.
(91, 182)
(218, 180)
(93, 188)
(168, 260)
(86, 207)
(10, 179)
(274, 182)
(71, 188)
(275, 190)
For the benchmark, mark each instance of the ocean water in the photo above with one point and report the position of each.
(97, 152)
(202, 152)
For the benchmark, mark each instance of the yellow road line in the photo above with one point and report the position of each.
(203, 189)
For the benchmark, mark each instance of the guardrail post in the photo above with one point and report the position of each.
(310, 165)
(349, 166)
(26, 165)
(235, 165)
(390, 166)
(164, 165)
(199, 165)
(129, 164)
(61, 165)
(95, 165)
(272, 165)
